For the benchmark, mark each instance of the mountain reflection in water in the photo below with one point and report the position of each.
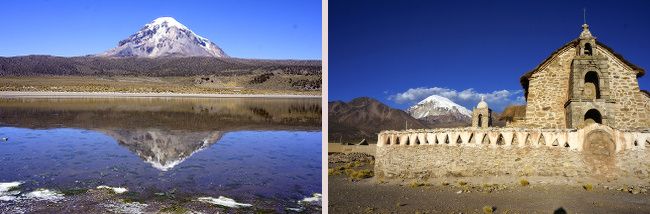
(164, 149)
(258, 151)
(163, 132)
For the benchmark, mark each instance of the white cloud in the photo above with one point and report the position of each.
(468, 97)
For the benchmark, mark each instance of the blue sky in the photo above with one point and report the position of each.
(286, 29)
(402, 51)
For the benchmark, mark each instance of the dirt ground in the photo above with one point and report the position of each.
(353, 192)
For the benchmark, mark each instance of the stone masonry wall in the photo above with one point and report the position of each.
(548, 91)
(631, 109)
(477, 152)
(446, 161)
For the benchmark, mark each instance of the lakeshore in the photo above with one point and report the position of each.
(58, 94)
(159, 154)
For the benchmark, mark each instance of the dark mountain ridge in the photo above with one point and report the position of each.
(35, 65)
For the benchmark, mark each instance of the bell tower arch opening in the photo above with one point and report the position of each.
(592, 85)
(588, 49)
(593, 116)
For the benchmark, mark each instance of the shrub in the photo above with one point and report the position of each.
(488, 209)
(74, 191)
(175, 208)
(261, 78)
(415, 184)
(588, 187)
(358, 174)
(524, 182)
(331, 172)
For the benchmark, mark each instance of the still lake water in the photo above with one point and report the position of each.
(265, 152)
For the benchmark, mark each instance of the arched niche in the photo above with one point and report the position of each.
(594, 115)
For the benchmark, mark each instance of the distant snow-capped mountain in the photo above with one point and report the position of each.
(165, 37)
(437, 109)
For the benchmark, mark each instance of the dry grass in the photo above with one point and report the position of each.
(349, 169)
(524, 182)
(237, 85)
(332, 172)
(415, 184)
(369, 210)
(174, 208)
(513, 111)
(358, 174)
(588, 187)
(488, 209)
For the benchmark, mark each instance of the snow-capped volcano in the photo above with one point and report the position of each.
(165, 37)
(439, 109)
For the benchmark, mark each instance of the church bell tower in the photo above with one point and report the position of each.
(588, 84)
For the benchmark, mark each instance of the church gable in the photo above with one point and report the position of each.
(547, 92)
(585, 81)
(571, 47)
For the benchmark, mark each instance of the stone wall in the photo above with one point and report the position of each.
(624, 106)
(472, 152)
(446, 161)
(631, 109)
(548, 91)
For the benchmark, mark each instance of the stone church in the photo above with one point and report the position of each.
(584, 105)
(584, 82)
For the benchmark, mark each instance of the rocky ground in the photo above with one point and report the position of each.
(107, 201)
(354, 189)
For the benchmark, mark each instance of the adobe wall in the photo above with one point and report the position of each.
(439, 153)
(548, 91)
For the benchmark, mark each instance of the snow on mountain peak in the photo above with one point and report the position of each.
(165, 37)
(439, 99)
(167, 21)
(436, 105)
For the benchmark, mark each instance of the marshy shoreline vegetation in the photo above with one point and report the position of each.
(101, 200)
(157, 75)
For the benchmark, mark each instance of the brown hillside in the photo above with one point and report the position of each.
(363, 118)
